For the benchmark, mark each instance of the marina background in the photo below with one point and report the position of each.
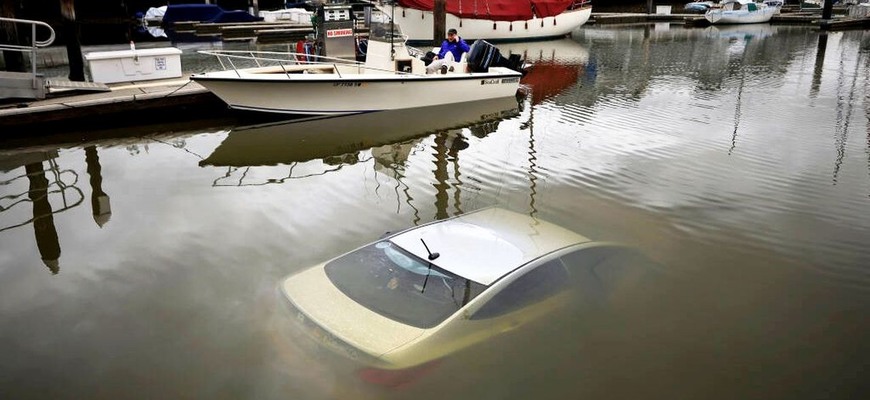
(142, 262)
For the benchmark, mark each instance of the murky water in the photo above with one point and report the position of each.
(738, 158)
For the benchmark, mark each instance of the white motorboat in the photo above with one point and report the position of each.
(741, 12)
(391, 78)
(494, 20)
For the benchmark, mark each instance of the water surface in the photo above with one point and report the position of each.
(146, 266)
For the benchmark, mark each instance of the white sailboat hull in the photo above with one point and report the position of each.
(763, 14)
(417, 25)
(331, 94)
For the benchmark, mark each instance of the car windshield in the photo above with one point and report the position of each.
(398, 285)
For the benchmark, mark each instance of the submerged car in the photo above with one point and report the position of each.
(405, 302)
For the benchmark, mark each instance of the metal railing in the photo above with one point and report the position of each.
(34, 44)
(237, 60)
(70, 195)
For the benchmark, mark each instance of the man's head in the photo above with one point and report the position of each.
(452, 35)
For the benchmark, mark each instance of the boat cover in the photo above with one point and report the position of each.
(205, 13)
(496, 10)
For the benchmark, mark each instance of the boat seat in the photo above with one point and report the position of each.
(461, 66)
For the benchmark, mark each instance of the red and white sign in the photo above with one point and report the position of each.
(332, 33)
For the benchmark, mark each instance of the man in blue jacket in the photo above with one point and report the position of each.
(451, 49)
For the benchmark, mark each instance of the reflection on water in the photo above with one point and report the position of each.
(738, 158)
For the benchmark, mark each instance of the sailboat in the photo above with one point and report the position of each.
(493, 20)
(741, 12)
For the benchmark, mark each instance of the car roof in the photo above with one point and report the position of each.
(486, 245)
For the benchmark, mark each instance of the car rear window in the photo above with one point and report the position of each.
(398, 285)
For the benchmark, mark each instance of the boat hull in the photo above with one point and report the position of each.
(355, 93)
(721, 17)
(417, 25)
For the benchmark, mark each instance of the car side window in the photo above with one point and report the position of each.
(599, 272)
(536, 285)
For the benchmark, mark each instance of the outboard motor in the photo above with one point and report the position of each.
(483, 55)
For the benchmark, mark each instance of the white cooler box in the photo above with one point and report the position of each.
(134, 65)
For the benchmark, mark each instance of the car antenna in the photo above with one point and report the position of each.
(432, 256)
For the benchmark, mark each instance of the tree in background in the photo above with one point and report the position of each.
(70, 31)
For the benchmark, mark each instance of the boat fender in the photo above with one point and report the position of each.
(511, 28)
(527, 25)
(493, 25)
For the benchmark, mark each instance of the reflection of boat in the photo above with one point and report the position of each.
(390, 78)
(741, 32)
(564, 50)
(741, 12)
(299, 141)
(492, 19)
(554, 65)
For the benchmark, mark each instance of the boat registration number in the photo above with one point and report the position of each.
(498, 81)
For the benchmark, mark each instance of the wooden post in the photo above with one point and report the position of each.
(819, 65)
(255, 8)
(650, 6)
(439, 32)
(827, 9)
(70, 30)
(9, 34)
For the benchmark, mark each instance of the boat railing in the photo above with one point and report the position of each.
(34, 43)
(238, 60)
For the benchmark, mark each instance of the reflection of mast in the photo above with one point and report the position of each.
(737, 109)
(867, 115)
(843, 117)
(819, 66)
(43, 220)
(440, 176)
(390, 160)
(99, 200)
(458, 143)
(532, 161)
(742, 67)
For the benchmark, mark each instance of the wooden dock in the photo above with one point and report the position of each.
(258, 31)
(789, 16)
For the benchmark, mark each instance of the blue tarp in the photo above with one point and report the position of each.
(204, 13)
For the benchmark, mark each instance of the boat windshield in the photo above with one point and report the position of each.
(394, 283)
(384, 30)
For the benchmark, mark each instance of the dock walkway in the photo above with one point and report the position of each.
(133, 100)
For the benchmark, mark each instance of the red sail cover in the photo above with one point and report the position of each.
(496, 10)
